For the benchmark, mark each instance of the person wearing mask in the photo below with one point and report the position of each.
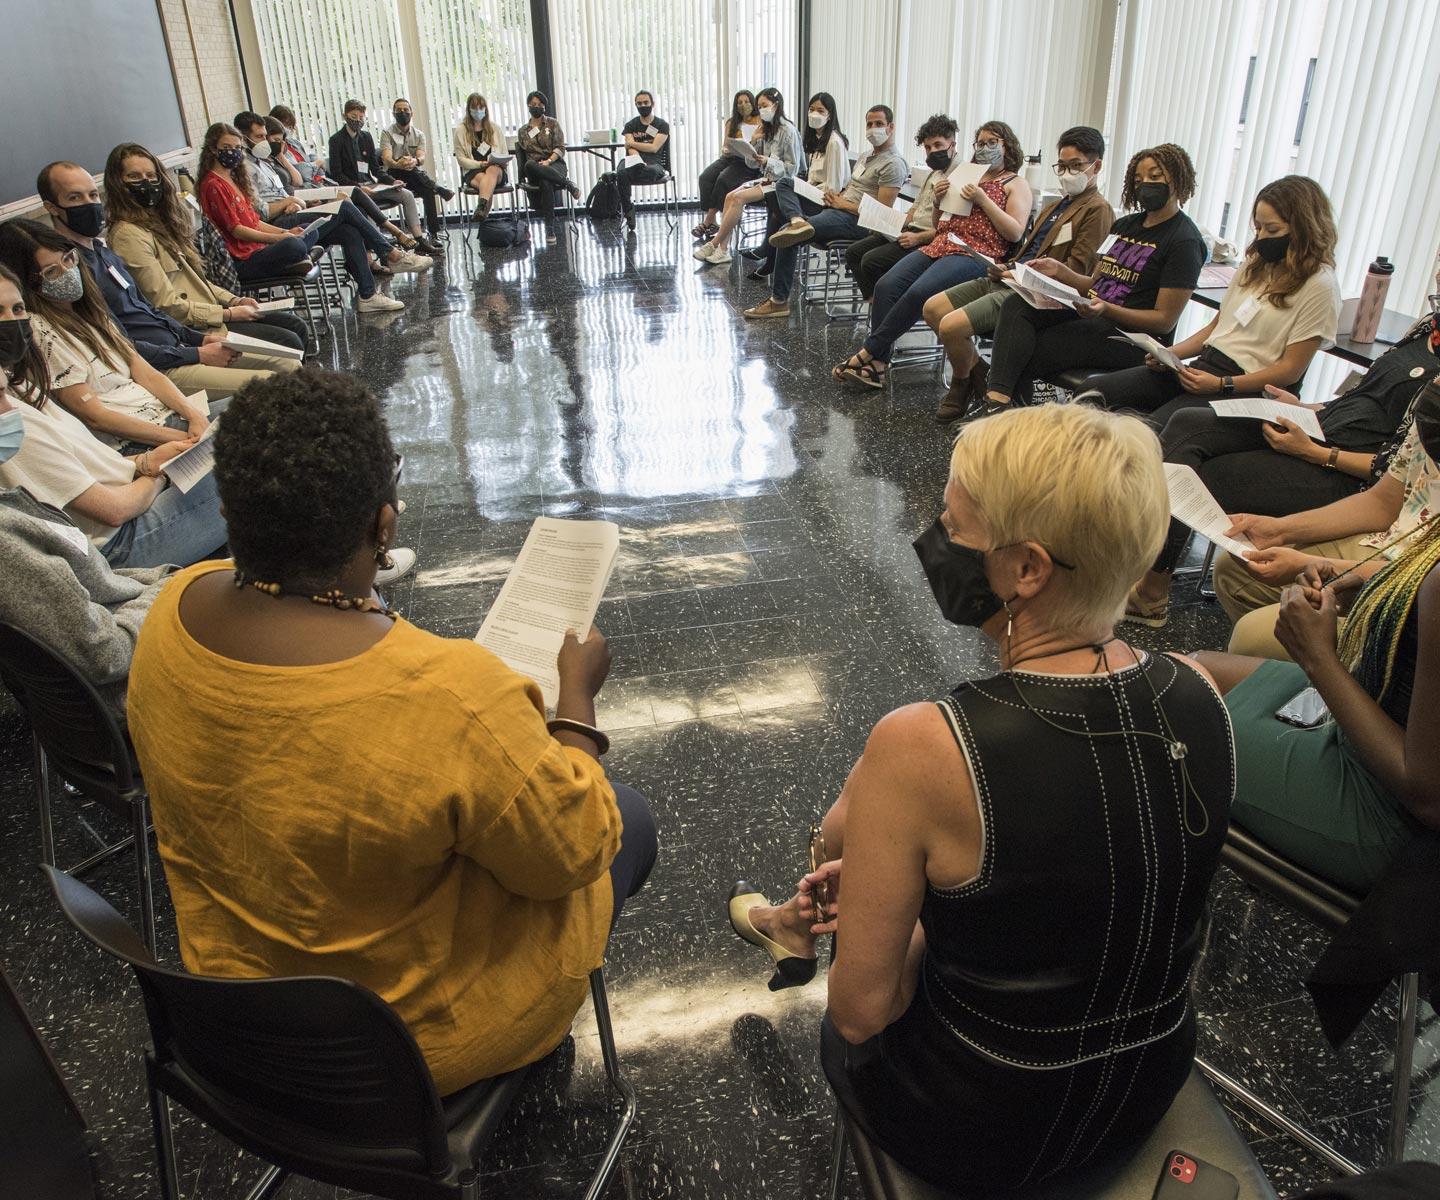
(645, 135)
(869, 258)
(1017, 875)
(273, 180)
(482, 152)
(438, 840)
(1281, 305)
(1341, 799)
(123, 504)
(1000, 207)
(354, 161)
(879, 173)
(261, 249)
(153, 231)
(541, 143)
(298, 153)
(778, 156)
(403, 151)
(729, 171)
(1147, 271)
(192, 360)
(826, 166)
(90, 368)
(1070, 230)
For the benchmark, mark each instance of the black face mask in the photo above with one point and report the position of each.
(537, 110)
(14, 341)
(938, 160)
(85, 219)
(1152, 197)
(644, 109)
(355, 124)
(1272, 249)
(147, 193)
(402, 119)
(957, 578)
(1427, 419)
(229, 158)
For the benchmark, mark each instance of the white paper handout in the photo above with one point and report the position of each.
(952, 201)
(556, 583)
(880, 217)
(284, 305)
(744, 149)
(631, 160)
(970, 250)
(1040, 291)
(309, 195)
(332, 207)
(1157, 351)
(1192, 504)
(803, 187)
(1261, 408)
(251, 345)
(190, 466)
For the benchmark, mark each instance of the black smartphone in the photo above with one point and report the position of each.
(1186, 1177)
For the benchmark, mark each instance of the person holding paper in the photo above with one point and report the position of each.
(261, 249)
(870, 257)
(1070, 230)
(1343, 798)
(123, 504)
(1281, 306)
(1147, 269)
(1000, 865)
(153, 231)
(479, 146)
(646, 135)
(730, 170)
(541, 143)
(879, 173)
(777, 156)
(354, 161)
(999, 208)
(338, 792)
(403, 151)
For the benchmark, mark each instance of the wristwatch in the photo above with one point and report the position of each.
(1332, 458)
(1227, 385)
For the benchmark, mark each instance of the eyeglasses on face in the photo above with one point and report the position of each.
(55, 270)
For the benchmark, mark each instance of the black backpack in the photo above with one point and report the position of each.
(501, 233)
(603, 202)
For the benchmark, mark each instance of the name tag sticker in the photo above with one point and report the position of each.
(363, 169)
(1246, 312)
(482, 150)
(1064, 235)
(1108, 244)
(118, 276)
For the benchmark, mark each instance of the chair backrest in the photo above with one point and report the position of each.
(308, 1072)
(75, 727)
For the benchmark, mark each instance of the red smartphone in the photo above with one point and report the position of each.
(1186, 1177)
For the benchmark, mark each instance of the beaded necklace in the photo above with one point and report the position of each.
(334, 598)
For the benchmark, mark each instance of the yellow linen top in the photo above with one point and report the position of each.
(401, 818)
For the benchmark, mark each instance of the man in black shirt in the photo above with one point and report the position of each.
(646, 136)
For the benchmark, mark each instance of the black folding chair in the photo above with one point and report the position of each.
(317, 1076)
(75, 735)
(670, 190)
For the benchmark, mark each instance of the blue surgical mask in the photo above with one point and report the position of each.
(477, 114)
(12, 433)
(65, 290)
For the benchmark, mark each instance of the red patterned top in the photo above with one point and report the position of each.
(227, 206)
(977, 229)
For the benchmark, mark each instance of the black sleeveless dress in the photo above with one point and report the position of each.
(1052, 1022)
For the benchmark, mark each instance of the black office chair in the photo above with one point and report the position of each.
(1330, 907)
(75, 735)
(306, 283)
(317, 1076)
(670, 190)
(504, 188)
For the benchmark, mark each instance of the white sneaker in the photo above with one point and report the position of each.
(379, 303)
(404, 559)
(409, 261)
(718, 255)
(701, 253)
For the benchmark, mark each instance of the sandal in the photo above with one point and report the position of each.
(1152, 614)
(868, 375)
(853, 363)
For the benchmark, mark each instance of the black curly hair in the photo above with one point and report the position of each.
(937, 125)
(1172, 159)
(303, 462)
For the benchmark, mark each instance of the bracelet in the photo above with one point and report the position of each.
(1227, 385)
(1332, 458)
(565, 725)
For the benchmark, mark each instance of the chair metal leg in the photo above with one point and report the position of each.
(470, 1185)
(144, 884)
(601, 1179)
(42, 796)
(1404, 1065)
(164, 1138)
(268, 1185)
(838, 1147)
(1200, 592)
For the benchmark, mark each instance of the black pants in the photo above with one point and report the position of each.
(870, 258)
(627, 177)
(282, 328)
(1033, 343)
(1157, 393)
(427, 189)
(1242, 472)
(546, 180)
(721, 178)
(360, 198)
(630, 868)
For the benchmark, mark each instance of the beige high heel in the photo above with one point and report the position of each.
(791, 970)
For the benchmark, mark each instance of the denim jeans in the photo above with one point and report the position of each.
(179, 527)
(830, 225)
(902, 291)
(349, 229)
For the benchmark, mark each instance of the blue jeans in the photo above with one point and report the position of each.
(830, 225)
(902, 291)
(179, 527)
(791, 205)
(349, 229)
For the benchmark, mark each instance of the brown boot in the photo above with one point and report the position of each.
(979, 376)
(955, 402)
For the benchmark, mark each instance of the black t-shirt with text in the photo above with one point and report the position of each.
(642, 132)
(1139, 261)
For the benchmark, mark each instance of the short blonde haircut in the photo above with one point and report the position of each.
(1084, 483)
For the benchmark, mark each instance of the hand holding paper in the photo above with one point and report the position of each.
(881, 217)
(952, 201)
(1160, 353)
(190, 466)
(1192, 504)
(803, 187)
(744, 149)
(1260, 409)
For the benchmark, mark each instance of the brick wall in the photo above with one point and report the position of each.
(207, 63)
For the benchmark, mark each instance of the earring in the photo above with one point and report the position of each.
(1009, 619)
(382, 557)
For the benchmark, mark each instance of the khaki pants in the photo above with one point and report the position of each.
(220, 382)
(1239, 592)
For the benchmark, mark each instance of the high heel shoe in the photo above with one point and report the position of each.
(790, 969)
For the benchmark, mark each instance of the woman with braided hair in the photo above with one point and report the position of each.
(1340, 799)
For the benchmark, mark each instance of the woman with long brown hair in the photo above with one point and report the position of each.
(481, 150)
(152, 230)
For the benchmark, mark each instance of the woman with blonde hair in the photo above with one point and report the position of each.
(1025, 863)
(480, 149)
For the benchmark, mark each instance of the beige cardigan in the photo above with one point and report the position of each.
(461, 145)
(176, 286)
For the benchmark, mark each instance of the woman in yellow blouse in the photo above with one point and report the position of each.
(337, 792)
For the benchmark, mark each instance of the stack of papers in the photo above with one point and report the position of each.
(190, 466)
(744, 149)
(555, 585)
(803, 187)
(1259, 408)
(1160, 353)
(284, 305)
(1192, 504)
(953, 202)
(1040, 291)
(252, 345)
(310, 195)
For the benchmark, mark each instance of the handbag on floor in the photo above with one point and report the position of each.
(501, 233)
